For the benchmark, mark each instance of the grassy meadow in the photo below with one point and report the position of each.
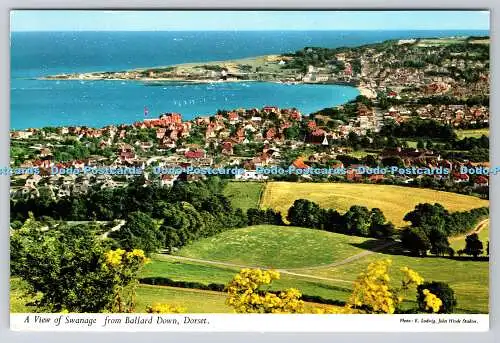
(275, 247)
(469, 279)
(166, 266)
(193, 300)
(244, 195)
(394, 201)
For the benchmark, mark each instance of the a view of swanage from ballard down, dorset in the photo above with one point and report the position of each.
(235, 162)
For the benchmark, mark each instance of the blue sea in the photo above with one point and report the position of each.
(39, 103)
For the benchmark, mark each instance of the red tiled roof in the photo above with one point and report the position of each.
(481, 180)
(299, 164)
(194, 154)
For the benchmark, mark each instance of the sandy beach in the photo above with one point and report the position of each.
(368, 92)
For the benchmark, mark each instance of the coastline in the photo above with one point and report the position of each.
(186, 73)
(181, 69)
(362, 89)
(367, 92)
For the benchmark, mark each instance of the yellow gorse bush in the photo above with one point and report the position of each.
(245, 296)
(114, 258)
(410, 278)
(331, 310)
(432, 302)
(137, 253)
(372, 288)
(124, 266)
(165, 308)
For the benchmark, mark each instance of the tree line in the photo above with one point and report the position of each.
(357, 221)
(156, 217)
(432, 225)
(418, 128)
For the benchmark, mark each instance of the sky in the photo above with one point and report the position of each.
(105, 20)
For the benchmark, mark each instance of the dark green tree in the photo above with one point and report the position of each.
(439, 242)
(473, 246)
(139, 232)
(428, 215)
(292, 132)
(357, 221)
(304, 213)
(416, 241)
(379, 228)
(64, 264)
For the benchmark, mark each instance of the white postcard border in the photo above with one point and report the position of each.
(131, 322)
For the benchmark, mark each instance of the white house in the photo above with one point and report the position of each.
(250, 175)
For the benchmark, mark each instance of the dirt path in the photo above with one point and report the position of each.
(114, 228)
(192, 290)
(479, 227)
(234, 265)
(293, 271)
(351, 258)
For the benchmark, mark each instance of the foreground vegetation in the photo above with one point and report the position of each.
(468, 278)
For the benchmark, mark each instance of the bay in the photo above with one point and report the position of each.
(38, 103)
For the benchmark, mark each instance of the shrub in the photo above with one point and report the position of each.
(165, 308)
(441, 290)
(245, 295)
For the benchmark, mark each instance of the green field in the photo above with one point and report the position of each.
(468, 278)
(193, 300)
(394, 201)
(476, 133)
(439, 41)
(166, 266)
(275, 247)
(412, 144)
(244, 195)
(361, 153)
(18, 298)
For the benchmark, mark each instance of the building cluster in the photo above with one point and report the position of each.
(222, 134)
(459, 116)
(253, 138)
(427, 70)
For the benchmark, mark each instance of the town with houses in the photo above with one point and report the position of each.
(433, 82)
